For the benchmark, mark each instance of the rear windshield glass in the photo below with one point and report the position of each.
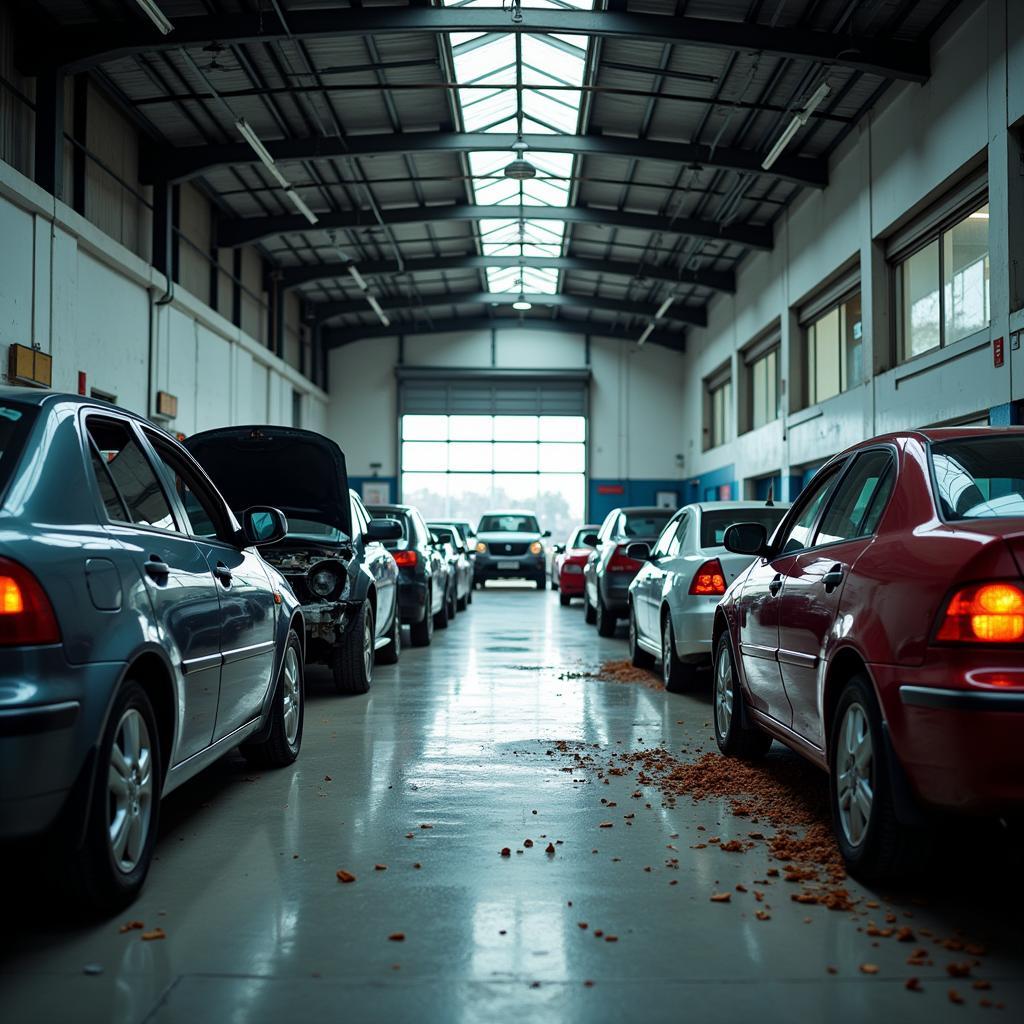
(508, 524)
(382, 512)
(647, 524)
(577, 538)
(979, 478)
(443, 532)
(715, 522)
(14, 424)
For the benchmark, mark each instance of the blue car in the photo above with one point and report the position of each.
(141, 635)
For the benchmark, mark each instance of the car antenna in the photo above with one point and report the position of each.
(770, 503)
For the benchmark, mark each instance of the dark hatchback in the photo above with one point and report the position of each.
(333, 556)
(423, 575)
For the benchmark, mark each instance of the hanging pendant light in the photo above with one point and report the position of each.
(522, 303)
(520, 169)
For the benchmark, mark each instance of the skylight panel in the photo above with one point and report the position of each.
(549, 69)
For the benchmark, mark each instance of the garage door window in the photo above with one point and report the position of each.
(458, 466)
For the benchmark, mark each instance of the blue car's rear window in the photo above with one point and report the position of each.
(15, 421)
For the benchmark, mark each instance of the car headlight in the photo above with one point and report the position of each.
(481, 548)
(324, 578)
(536, 548)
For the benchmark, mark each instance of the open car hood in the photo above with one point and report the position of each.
(298, 471)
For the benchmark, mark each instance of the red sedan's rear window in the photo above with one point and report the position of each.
(979, 477)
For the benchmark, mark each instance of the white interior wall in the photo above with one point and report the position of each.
(900, 158)
(93, 305)
(634, 394)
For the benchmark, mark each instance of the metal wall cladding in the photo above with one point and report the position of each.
(492, 398)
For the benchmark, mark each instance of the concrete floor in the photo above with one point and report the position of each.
(259, 929)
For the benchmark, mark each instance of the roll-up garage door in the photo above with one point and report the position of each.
(427, 394)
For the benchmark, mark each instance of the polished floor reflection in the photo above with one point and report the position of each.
(442, 765)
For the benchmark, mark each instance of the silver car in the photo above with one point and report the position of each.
(672, 599)
(141, 635)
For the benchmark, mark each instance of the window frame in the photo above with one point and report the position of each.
(892, 465)
(675, 524)
(830, 299)
(103, 516)
(225, 533)
(955, 207)
(934, 483)
(800, 507)
(714, 384)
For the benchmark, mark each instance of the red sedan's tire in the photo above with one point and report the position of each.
(564, 599)
(737, 736)
(874, 843)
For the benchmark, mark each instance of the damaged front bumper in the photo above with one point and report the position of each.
(328, 620)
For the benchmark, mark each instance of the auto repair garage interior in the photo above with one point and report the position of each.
(704, 315)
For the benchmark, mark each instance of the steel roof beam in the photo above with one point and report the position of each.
(180, 164)
(717, 280)
(82, 46)
(334, 337)
(695, 315)
(248, 230)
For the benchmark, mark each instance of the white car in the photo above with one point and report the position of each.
(672, 599)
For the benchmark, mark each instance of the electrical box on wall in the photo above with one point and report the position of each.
(166, 406)
(27, 365)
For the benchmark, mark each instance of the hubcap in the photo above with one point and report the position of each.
(290, 696)
(855, 774)
(723, 693)
(368, 646)
(129, 791)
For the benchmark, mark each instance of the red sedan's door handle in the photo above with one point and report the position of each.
(776, 584)
(832, 578)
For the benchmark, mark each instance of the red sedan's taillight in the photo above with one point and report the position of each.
(26, 615)
(984, 613)
(620, 563)
(709, 580)
(405, 559)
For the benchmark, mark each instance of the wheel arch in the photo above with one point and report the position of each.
(152, 673)
(844, 664)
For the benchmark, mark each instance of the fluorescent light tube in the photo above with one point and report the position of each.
(664, 307)
(156, 16)
(247, 133)
(375, 306)
(799, 120)
(358, 278)
(301, 206)
(648, 330)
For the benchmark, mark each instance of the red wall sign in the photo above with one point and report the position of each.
(997, 352)
(610, 489)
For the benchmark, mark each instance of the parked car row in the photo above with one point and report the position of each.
(159, 602)
(876, 627)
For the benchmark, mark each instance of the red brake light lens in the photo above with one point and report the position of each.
(984, 613)
(26, 615)
(709, 580)
(405, 559)
(620, 563)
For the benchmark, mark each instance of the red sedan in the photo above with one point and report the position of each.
(567, 567)
(880, 634)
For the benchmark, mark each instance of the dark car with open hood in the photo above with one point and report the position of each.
(333, 555)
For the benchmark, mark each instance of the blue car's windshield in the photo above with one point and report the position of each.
(509, 524)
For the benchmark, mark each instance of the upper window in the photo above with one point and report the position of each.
(668, 542)
(860, 499)
(764, 389)
(798, 536)
(980, 477)
(127, 481)
(718, 403)
(834, 344)
(942, 286)
(647, 523)
(200, 507)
